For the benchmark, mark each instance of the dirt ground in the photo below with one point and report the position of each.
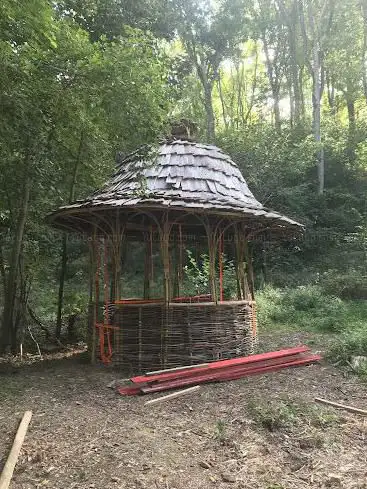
(261, 432)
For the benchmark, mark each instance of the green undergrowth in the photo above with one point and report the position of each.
(287, 415)
(311, 309)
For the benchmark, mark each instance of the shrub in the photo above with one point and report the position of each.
(349, 285)
(349, 344)
(304, 307)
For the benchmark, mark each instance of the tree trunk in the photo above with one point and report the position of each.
(208, 103)
(295, 76)
(316, 121)
(64, 251)
(330, 94)
(302, 98)
(277, 122)
(316, 72)
(60, 299)
(351, 115)
(220, 92)
(7, 334)
(253, 90)
(352, 126)
(291, 101)
(364, 47)
(316, 115)
(274, 84)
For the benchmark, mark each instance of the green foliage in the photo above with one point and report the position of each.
(220, 432)
(274, 416)
(197, 275)
(352, 342)
(347, 285)
(198, 272)
(307, 308)
(82, 80)
(287, 415)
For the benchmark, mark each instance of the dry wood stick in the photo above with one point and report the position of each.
(8, 469)
(172, 396)
(340, 406)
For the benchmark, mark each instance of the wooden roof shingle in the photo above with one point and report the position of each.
(183, 174)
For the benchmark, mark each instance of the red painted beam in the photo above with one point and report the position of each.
(231, 369)
(223, 371)
(229, 374)
(220, 364)
(272, 368)
(128, 391)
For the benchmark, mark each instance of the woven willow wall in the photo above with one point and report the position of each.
(153, 336)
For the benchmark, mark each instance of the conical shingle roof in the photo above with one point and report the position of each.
(181, 175)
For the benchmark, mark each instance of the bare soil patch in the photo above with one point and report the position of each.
(261, 432)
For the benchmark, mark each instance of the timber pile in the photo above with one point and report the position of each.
(220, 371)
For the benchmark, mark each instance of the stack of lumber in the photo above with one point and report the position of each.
(220, 371)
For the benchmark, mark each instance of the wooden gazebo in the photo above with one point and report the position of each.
(179, 195)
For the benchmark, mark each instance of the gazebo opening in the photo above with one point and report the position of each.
(188, 211)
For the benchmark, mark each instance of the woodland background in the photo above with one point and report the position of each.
(281, 85)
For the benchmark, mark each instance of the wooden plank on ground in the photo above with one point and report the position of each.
(351, 409)
(172, 396)
(188, 372)
(229, 374)
(9, 466)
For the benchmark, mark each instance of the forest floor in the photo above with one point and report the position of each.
(261, 432)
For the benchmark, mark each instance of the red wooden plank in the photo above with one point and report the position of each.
(229, 374)
(128, 391)
(272, 368)
(222, 371)
(220, 364)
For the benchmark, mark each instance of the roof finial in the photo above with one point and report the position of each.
(183, 129)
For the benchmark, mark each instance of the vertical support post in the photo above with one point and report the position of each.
(94, 276)
(148, 264)
(239, 263)
(105, 281)
(118, 238)
(140, 325)
(221, 250)
(212, 248)
(250, 269)
(164, 237)
(242, 278)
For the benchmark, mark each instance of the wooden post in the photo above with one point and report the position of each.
(94, 312)
(9, 466)
(250, 269)
(164, 238)
(221, 253)
(240, 272)
(147, 266)
(212, 249)
(118, 238)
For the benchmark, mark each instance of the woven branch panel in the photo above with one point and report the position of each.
(153, 336)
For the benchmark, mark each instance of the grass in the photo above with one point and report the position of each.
(274, 416)
(220, 432)
(308, 308)
(293, 418)
(311, 309)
